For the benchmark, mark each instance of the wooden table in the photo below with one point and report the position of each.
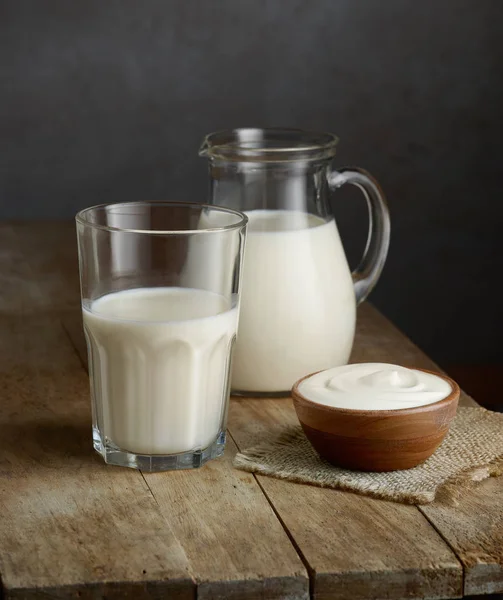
(72, 527)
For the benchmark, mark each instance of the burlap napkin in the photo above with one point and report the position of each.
(472, 451)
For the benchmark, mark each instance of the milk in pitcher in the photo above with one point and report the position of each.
(298, 306)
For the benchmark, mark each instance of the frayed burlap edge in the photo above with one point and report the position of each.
(448, 491)
(452, 489)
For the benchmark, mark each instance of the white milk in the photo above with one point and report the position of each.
(298, 307)
(159, 359)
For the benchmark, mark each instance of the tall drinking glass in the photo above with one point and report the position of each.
(160, 287)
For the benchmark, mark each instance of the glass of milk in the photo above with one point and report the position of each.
(160, 287)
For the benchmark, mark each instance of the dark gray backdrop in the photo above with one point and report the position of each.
(107, 100)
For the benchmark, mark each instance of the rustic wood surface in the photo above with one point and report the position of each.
(72, 525)
(356, 547)
(473, 524)
(68, 526)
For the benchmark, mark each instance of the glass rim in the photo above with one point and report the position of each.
(251, 143)
(80, 218)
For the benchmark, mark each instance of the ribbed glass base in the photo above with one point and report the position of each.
(157, 462)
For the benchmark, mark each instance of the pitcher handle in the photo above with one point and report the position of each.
(367, 273)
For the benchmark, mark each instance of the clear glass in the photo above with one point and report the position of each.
(298, 307)
(160, 286)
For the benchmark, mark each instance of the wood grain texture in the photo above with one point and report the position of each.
(70, 526)
(235, 545)
(234, 542)
(473, 524)
(474, 527)
(391, 568)
(355, 547)
(73, 526)
(39, 269)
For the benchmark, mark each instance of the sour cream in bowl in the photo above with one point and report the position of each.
(375, 416)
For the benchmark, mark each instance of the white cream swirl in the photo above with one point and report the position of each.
(374, 386)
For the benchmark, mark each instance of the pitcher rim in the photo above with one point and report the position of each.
(244, 144)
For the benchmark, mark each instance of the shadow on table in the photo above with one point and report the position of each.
(47, 444)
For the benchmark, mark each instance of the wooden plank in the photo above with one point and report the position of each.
(17, 293)
(355, 547)
(235, 544)
(402, 560)
(225, 532)
(478, 546)
(39, 269)
(396, 572)
(69, 525)
(473, 525)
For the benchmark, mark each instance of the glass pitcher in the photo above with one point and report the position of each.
(299, 298)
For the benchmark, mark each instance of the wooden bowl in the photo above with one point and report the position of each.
(376, 440)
